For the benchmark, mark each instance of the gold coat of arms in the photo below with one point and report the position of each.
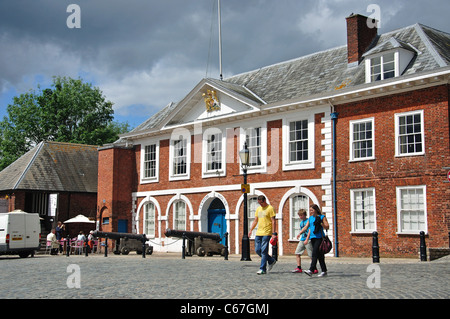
(211, 101)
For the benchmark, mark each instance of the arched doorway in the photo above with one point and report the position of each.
(216, 219)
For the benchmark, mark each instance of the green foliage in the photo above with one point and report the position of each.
(70, 111)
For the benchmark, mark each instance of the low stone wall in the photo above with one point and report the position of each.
(435, 253)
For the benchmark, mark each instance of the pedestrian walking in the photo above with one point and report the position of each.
(304, 241)
(265, 220)
(316, 224)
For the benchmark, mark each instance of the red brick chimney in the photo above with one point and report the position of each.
(359, 36)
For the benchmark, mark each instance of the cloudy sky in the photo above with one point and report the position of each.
(144, 54)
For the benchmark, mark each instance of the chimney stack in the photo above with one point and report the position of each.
(359, 36)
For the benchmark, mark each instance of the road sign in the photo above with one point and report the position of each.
(448, 176)
(245, 188)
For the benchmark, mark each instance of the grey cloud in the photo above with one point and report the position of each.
(151, 52)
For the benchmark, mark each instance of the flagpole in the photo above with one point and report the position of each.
(220, 40)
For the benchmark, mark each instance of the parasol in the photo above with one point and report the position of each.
(79, 219)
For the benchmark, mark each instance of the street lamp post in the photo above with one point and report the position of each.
(244, 154)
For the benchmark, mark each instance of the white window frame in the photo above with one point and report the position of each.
(263, 147)
(213, 172)
(294, 220)
(172, 174)
(382, 56)
(176, 217)
(352, 140)
(152, 219)
(304, 164)
(398, 152)
(251, 213)
(352, 210)
(400, 210)
(153, 179)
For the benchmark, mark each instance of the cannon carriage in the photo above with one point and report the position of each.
(203, 244)
(126, 242)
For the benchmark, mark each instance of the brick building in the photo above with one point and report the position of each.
(56, 180)
(381, 102)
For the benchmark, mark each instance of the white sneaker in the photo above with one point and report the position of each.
(261, 272)
(270, 266)
(308, 272)
(322, 274)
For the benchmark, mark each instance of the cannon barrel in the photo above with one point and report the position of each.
(115, 236)
(191, 234)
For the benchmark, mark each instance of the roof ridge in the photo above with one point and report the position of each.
(30, 163)
(287, 61)
(69, 143)
(434, 53)
(434, 29)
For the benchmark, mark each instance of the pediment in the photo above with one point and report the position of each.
(212, 99)
(389, 45)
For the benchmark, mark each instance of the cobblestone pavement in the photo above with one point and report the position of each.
(167, 276)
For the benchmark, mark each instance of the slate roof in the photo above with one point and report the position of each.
(54, 166)
(328, 70)
(325, 71)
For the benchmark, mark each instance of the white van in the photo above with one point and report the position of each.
(19, 233)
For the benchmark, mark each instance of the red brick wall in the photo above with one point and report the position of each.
(387, 172)
(274, 195)
(116, 182)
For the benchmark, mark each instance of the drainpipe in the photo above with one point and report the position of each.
(334, 117)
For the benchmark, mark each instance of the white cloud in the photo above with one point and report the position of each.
(21, 60)
(166, 82)
(324, 23)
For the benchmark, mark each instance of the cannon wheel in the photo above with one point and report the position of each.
(201, 251)
(125, 251)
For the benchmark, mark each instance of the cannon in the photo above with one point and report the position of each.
(203, 243)
(126, 242)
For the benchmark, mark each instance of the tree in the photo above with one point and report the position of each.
(70, 111)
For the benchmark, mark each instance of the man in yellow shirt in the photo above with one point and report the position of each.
(265, 219)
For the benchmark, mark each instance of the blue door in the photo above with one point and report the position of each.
(216, 222)
(122, 226)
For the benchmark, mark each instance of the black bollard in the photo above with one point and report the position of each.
(67, 246)
(106, 246)
(375, 248)
(448, 239)
(423, 247)
(144, 239)
(226, 246)
(86, 247)
(183, 248)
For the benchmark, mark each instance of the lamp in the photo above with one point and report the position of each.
(244, 154)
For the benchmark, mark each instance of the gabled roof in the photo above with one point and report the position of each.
(390, 44)
(324, 72)
(54, 166)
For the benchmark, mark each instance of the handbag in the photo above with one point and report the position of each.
(325, 245)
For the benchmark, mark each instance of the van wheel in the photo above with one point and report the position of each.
(24, 254)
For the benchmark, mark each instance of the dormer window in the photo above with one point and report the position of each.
(388, 60)
(382, 67)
